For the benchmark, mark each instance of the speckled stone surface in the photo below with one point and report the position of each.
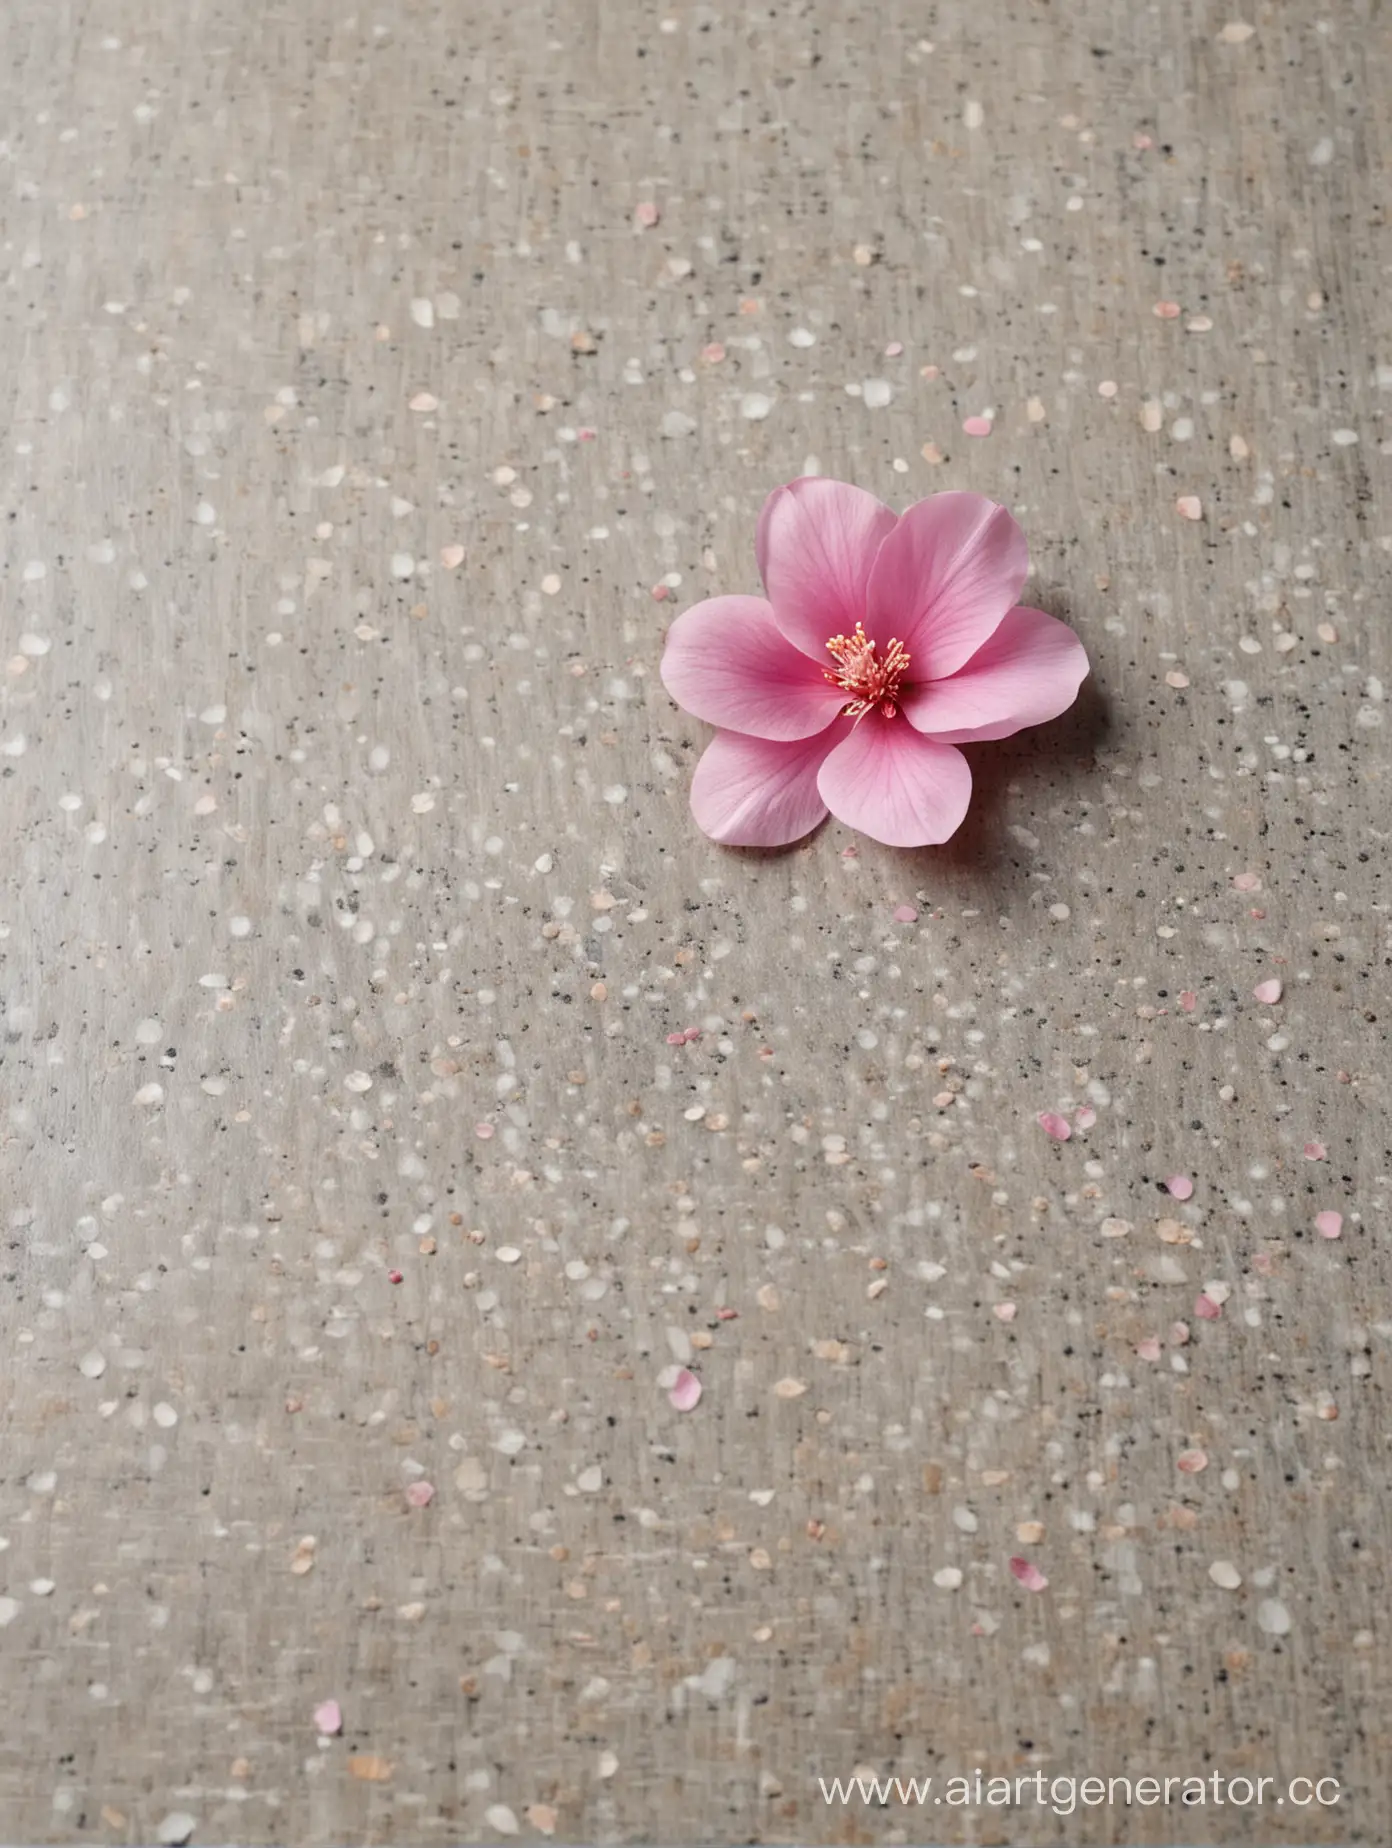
(364, 429)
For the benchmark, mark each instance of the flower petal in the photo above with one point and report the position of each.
(892, 783)
(1028, 671)
(816, 544)
(727, 662)
(943, 579)
(753, 792)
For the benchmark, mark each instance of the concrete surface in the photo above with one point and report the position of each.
(350, 899)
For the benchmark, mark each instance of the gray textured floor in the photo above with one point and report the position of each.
(350, 897)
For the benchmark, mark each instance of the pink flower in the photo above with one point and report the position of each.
(885, 642)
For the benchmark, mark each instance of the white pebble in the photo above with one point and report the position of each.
(755, 406)
(876, 394)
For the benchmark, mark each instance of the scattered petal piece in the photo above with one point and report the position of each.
(1166, 311)
(1189, 507)
(1179, 1187)
(1315, 1151)
(1085, 1118)
(328, 1717)
(977, 426)
(1149, 1349)
(1029, 1575)
(1268, 992)
(451, 556)
(1246, 882)
(1329, 1224)
(420, 1494)
(1004, 1312)
(646, 215)
(1206, 1309)
(905, 914)
(1192, 1461)
(1188, 1000)
(685, 1395)
(1054, 1125)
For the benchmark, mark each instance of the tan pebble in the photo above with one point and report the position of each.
(369, 1769)
(789, 1388)
(768, 1298)
(1029, 1533)
(836, 1351)
(542, 1818)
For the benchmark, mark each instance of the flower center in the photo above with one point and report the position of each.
(869, 682)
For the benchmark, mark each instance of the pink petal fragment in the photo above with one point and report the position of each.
(944, 579)
(1329, 1224)
(748, 792)
(685, 1394)
(1180, 1187)
(1188, 1000)
(484, 1131)
(1166, 311)
(1054, 1125)
(1085, 1117)
(646, 215)
(1027, 672)
(451, 556)
(976, 426)
(1189, 507)
(888, 781)
(727, 662)
(816, 543)
(1004, 1312)
(1315, 1151)
(1268, 992)
(328, 1717)
(1179, 1334)
(1206, 1309)
(905, 914)
(1192, 1461)
(420, 1494)
(1029, 1575)
(1149, 1349)
(1246, 882)
(676, 1039)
